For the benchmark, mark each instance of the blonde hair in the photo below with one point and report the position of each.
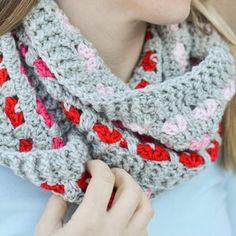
(12, 13)
(202, 11)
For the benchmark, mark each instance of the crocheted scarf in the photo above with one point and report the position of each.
(61, 105)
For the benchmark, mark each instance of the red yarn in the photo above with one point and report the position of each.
(221, 129)
(148, 35)
(59, 188)
(118, 124)
(194, 61)
(213, 152)
(147, 62)
(82, 182)
(191, 160)
(106, 135)
(158, 154)
(123, 143)
(142, 84)
(16, 118)
(25, 145)
(1, 58)
(3, 76)
(143, 138)
(73, 114)
(111, 198)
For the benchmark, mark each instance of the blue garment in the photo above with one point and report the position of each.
(204, 206)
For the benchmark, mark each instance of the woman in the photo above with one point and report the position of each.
(136, 41)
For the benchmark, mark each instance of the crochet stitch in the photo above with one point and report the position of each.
(61, 105)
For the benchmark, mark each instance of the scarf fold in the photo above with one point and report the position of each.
(61, 105)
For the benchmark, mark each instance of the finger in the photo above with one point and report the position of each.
(127, 197)
(99, 189)
(53, 215)
(142, 215)
(145, 233)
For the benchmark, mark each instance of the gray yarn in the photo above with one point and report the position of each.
(174, 90)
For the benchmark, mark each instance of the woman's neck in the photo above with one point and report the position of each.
(117, 37)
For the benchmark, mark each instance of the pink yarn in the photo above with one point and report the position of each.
(180, 55)
(174, 27)
(23, 49)
(104, 90)
(89, 55)
(136, 128)
(205, 110)
(229, 91)
(41, 109)
(175, 125)
(57, 142)
(42, 68)
(148, 193)
(197, 145)
(22, 70)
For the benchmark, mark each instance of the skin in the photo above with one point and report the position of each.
(117, 29)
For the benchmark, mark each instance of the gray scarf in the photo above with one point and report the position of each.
(61, 105)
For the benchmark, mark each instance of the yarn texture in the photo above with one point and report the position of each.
(61, 106)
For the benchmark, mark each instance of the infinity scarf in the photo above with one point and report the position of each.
(61, 105)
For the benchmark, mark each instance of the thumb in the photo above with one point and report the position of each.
(52, 218)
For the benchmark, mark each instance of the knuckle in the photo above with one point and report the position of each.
(104, 171)
(99, 164)
(137, 191)
(108, 177)
(119, 172)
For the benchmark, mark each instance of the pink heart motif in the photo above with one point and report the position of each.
(41, 109)
(175, 125)
(136, 128)
(57, 142)
(229, 91)
(180, 55)
(148, 193)
(197, 145)
(104, 90)
(89, 56)
(174, 27)
(205, 110)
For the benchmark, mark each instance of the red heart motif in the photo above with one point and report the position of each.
(158, 154)
(3, 76)
(82, 182)
(213, 152)
(149, 61)
(25, 145)
(59, 188)
(73, 114)
(123, 143)
(142, 84)
(16, 118)
(106, 135)
(191, 161)
(148, 35)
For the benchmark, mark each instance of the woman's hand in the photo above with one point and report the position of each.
(129, 215)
